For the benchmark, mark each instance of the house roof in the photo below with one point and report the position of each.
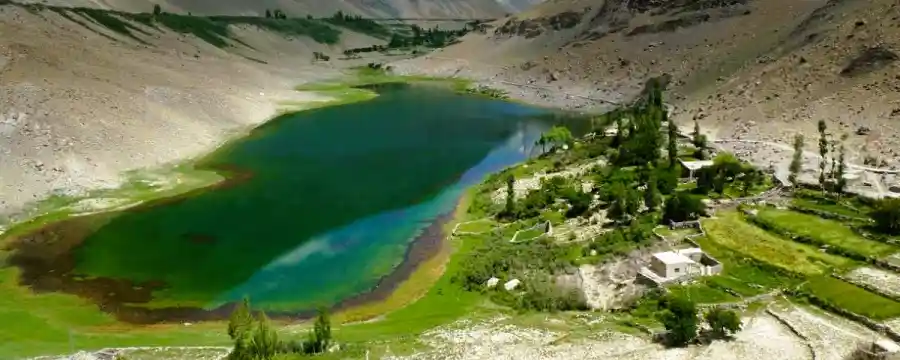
(670, 258)
(694, 165)
(690, 251)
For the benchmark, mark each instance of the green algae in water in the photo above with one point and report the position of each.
(321, 205)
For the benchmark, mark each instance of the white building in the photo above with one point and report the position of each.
(676, 265)
(693, 166)
(670, 264)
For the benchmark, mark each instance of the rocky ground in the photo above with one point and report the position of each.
(794, 334)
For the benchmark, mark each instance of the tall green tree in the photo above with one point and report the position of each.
(841, 183)
(796, 161)
(268, 14)
(652, 197)
(748, 180)
(264, 345)
(240, 327)
(723, 322)
(823, 152)
(157, 10)
(673, 143)
(680, 320)
(322, 330)
(698, 139)
(510, 195)
(683, 207)
(240, 323)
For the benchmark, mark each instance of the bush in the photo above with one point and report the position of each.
(722, 322)
(680, 319)
(886, 213)
(683, 207)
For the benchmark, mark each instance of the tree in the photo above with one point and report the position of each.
(749, 179)
(823, 152)
(673, 143)
(620, 128)
(157, 10)
(265, 340)
(698, 139)
(240, 325)
(510, 195)
(683, 207)
(680, 320)
(667, 179)
(268, 14)
(723, 322)
(841, 183)
(652, 197)
(886, 213)
(322, 330)
(797, 160)
(241, 321)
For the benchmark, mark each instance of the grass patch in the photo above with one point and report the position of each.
(703, 294)
(852, 298)
(480, 226)
(41, 324)
(827, 231)
(731, 231)
(676, 234)
(831, 207)
(746, 276)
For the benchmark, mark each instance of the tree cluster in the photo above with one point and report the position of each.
(275, 14)
(727, 169)
(557, 136)
(433, 38)
(255, 339)
(679, 315)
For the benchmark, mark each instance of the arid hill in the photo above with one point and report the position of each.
(85, 96)
(381, 9)
(751, 69)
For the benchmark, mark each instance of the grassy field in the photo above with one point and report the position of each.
(853, 298)
(827, 231)
(478, 226)
(676, 234)
(827, 207)
(740, 275)
(730, 230)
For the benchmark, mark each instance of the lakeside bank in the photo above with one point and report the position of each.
(359, 95)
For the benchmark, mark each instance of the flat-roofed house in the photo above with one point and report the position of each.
(671, 265)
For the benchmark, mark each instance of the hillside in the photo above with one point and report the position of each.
(380, 9)
(746, 69)
(86, 95)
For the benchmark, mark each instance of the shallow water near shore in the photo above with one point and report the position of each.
(320, 206)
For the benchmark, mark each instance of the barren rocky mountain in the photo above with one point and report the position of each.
(81, 103)
(381, 8)
(749, 69)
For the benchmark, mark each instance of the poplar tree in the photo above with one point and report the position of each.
(797, 161)
(823, 152)
(652, 196)
(673, 142)
(841, 170)
(510, 195)
(265, 340)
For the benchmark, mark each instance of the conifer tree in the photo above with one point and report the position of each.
(673, 142)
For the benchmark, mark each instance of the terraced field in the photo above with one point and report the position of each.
(830, 232)
(730, 230)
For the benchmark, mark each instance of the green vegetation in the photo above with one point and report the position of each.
(679, 316)
(824, 231)
(723, 323)
(730, 230)
(262, 343)
(796, 160)
(847, 296)
(211, 29)
(886, 214)
(359, 24)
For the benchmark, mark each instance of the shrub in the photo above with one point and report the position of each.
(683, 207)
(680, 320)
(886, 214)
(722, 322)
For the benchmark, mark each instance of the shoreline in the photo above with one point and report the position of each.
(424, 259)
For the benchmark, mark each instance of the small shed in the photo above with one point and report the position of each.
(492, 282)
(670, 265)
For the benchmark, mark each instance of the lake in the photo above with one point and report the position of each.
(319, 206)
